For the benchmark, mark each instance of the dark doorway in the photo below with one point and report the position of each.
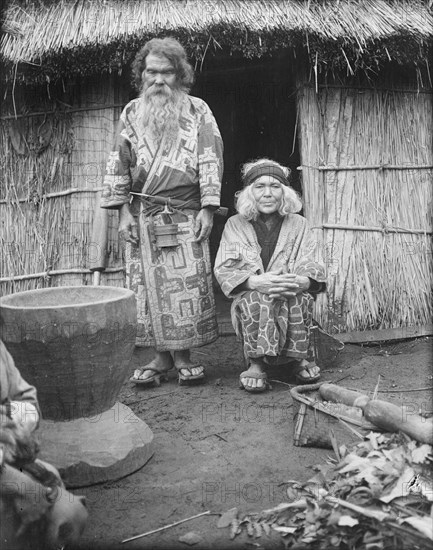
(254, 103)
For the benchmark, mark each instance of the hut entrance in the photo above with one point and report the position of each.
(254, 105)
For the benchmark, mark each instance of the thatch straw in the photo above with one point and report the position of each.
(376, 279)
(353, 29)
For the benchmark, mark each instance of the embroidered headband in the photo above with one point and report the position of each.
(265, 169)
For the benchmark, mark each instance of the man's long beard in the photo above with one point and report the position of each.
(160, 111)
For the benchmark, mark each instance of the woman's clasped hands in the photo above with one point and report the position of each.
(278, 285)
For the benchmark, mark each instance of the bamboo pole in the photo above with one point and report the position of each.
(374, 167)
(58, 194)
(165, 527)
(64, 111)
(427, 90)
(385, 229)
(52, 273)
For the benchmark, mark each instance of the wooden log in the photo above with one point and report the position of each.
(338, 394)
(392, 418)
(99, 240)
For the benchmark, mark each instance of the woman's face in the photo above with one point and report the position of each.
(268, 193)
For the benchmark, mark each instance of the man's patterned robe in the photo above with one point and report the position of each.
(175, 302)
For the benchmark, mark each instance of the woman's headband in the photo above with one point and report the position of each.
(265, 169)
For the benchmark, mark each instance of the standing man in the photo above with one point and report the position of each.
(168, 148)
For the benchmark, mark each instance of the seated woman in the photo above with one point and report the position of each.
(269, 265)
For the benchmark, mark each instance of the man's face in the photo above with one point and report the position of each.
(159, 72)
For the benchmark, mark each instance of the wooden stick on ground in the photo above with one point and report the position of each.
(166, 527)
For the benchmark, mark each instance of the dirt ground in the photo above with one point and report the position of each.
(218, 447)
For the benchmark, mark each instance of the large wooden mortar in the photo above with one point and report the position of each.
(75, 345)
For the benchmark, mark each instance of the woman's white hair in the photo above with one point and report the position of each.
(246, 204)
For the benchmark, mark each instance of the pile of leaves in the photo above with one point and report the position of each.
(376, 495)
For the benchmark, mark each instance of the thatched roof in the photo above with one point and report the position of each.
(46, 40)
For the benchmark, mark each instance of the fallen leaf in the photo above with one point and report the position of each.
(388, 470)
(420, 454)
(333, 517)
(226, 518)
(367, 511)
(301, 503)
(258, 530)
(401, 487)
(423, 525)
(235, 528)
(372, 436)
(368, 476)
(266, 528)
(190, 538)
(347, 521)
(387, 453)
(423, 485)
(285, 530)
(354, 463)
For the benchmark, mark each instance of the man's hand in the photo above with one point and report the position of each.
(128, 229)
(278, 285)
(203, 224)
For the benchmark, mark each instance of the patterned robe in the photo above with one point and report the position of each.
(13, 387)
(175, 302)
(274, 329)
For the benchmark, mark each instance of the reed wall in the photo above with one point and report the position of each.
(51, 176)
(367, 166)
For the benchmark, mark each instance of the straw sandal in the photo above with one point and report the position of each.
(256, 376)
(183, 378)
(306, 379)
(156, 378)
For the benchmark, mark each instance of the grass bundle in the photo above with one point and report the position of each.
(374, 224)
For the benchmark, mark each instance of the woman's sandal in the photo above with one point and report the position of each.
(306, 379)
(155, 379)
(182, 378)
(256, 376)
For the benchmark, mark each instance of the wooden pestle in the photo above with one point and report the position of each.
(337, 394)
(393, 418)
(384, 415)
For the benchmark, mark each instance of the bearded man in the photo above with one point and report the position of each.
(168, 149)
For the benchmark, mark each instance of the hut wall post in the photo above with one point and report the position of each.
(313, 193)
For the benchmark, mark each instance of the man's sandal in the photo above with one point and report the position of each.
(185, 378)
(311, 379)
(256, 376)
(156, 378)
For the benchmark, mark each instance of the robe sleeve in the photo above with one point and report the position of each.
(15, 390)
(236, 260)
(210, 158)
(118, 181)
(309, 261)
